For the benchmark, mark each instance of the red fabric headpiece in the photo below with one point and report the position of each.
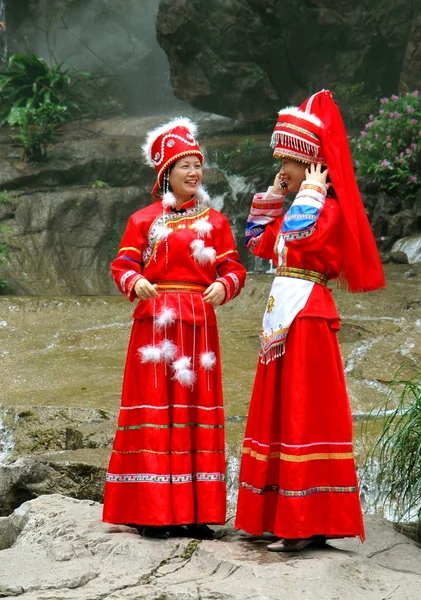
(297, 135)
(362, 268)
(166, 144)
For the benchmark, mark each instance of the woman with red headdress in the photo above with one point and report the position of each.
(297, 476)
(178, 257)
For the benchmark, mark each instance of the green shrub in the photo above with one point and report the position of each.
(398, 450)
(37, 126)
(389, 148)
(98, 184)
(354, 103)
(28, 81)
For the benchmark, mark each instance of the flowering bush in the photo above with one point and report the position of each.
(389, 148)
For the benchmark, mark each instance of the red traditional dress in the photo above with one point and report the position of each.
(298, 476)
(168, 464)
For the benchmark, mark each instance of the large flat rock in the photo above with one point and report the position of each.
(57, 548)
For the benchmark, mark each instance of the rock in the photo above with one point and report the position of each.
(399, 257)
(55, 450)
(245, 59)
(410, 247)
(69, 554)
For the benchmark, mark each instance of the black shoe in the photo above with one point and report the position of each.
(178, 531)
(162, 533)
(200, 531)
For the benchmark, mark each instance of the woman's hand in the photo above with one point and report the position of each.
(280, 186)
(144, 289)
(315, 173)
(215, 293)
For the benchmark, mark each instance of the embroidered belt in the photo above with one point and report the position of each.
(302, 274)
(180, 286)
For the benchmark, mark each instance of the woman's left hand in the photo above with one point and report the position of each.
(315, 173)
(215, 293)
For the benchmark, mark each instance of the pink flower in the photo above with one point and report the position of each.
(416, 93)
(391, 115)
(388, 137)
(370, 118)
(394, 98)
(398, 115)
(408, 151)
(413, 121)
(363, 133)
(385, 163)
(384, 100)
(413, 146)
(413, 178)
(376, 135)
(357, 163)
(389, 145)
(381, 112)
(409, 109)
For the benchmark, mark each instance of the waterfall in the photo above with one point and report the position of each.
(6, 442)
(3, 36)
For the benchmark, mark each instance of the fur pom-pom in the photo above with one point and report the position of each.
(152, 354)
(168, 200)
(202, 254)
(169, 350)
(202, 227)
(208, 360)
(166, 316)
(162, 232)
(183, 372)
(184, 362)
(202, 196)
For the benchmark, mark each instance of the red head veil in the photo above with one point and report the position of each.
(362, 268)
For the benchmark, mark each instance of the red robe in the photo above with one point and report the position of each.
(297, 476)
(168, 463)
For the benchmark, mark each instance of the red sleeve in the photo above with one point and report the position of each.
(127, 266)
(231, 273)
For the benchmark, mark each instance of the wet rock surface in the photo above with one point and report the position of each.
(246, 58)
(57, 548)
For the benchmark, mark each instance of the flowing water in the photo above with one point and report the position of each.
(70, 351)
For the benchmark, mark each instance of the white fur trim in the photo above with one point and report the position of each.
(162, 232)
(153, 134)
(202, 196)
(202, 227)
(296, 112)
(151, 354)
(169, 200)
(166, 316)
(208, 360)
(169, 350)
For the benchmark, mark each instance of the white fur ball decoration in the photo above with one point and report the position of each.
(208, 360)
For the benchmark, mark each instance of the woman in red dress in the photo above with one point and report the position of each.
(178, 256)
(298, 477)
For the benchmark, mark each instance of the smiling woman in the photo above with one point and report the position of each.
(178, 257)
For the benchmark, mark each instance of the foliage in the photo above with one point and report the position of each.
(5, 237)
(5, 198)
(226, 160)
(355, 105)
(98, 184)
(389, 147)
(37, 126)
(28, 81)
(398, 450)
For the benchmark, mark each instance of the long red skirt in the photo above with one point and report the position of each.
(168, 463)
(297, 476)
